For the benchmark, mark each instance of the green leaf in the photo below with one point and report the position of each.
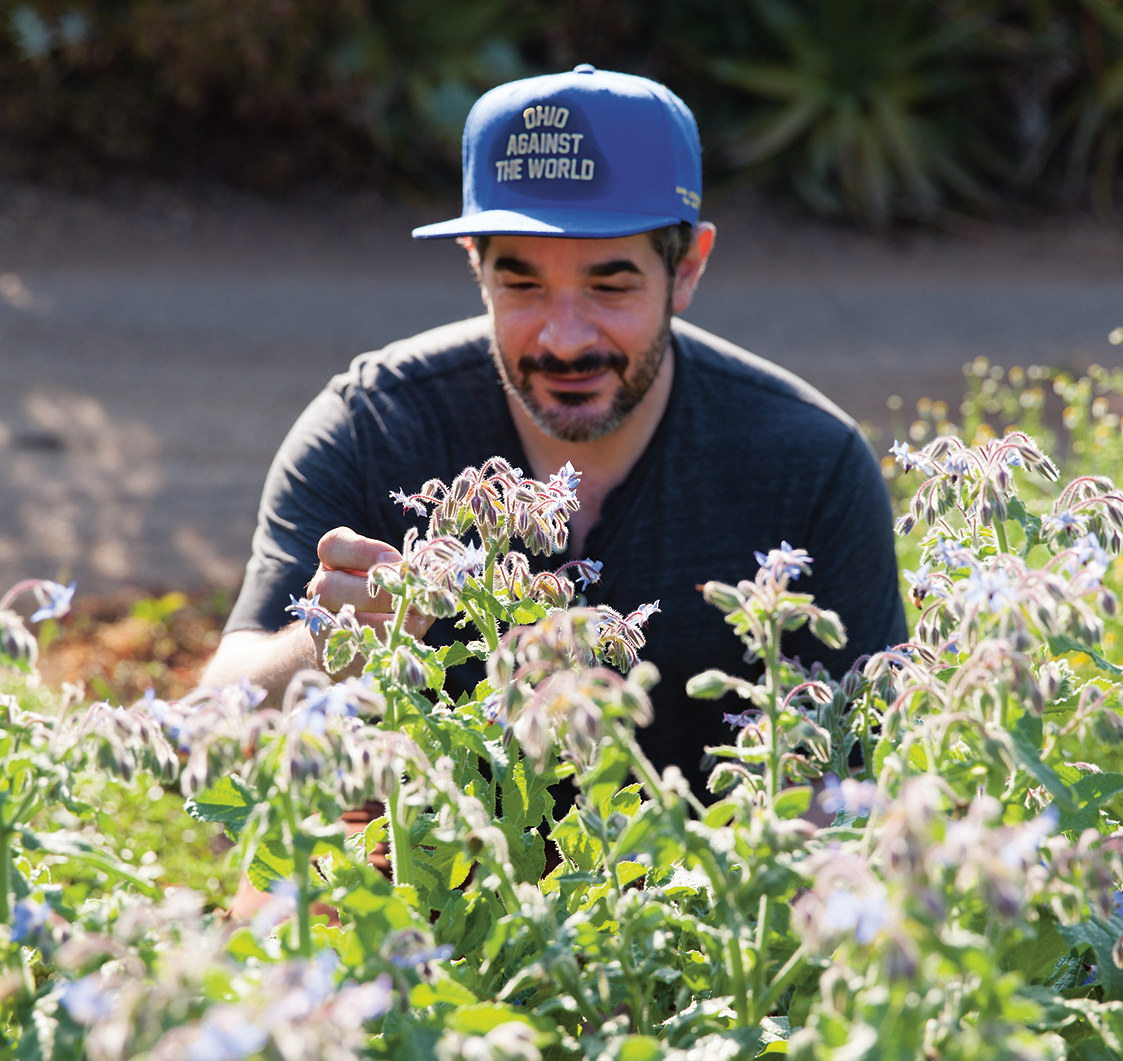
(482, 1017)
(525, 612)
(270, 862)
(1101, 935)
(630, 871)
(1063, 643)
(455, 654)
(229, 801)
(793, 802)
(1024, 740)
(1089, 794)
(444, 990)
(339, 651)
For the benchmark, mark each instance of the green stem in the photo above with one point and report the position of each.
(486, 628)
(401, 851)
(778, 986)
(740, 985)
(763, 913)
(1000, 534)
(5, 874)
(399, 620)
(489, 568)
(301, 874)
(771, 664)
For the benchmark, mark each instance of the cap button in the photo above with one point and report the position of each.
(585, 68)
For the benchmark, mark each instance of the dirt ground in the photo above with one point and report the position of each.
(156, 344)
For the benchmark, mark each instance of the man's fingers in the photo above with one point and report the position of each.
(337, 588)
(342, 549)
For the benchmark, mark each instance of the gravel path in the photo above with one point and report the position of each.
(155, 346)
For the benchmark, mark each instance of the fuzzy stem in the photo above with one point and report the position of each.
(399, 619)
(19, 588)
(486, 627)
(778, 986)
(5, 874)
(301, 867)
(771, 666)
(401, 853)
(1000, 534)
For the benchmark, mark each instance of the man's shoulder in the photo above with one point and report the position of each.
(734, 372)
(445, 354)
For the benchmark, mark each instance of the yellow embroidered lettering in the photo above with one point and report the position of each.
(563, 143)
(561, 116)
(532, 146)
(530, 117)
(587, 165)
(535, 166)
(551, 169)
(512, 145)
(522, 143)
(576, 138)
(563, 167)
(549, 143)
(515, 169)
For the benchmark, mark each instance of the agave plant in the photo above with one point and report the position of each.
(862, 95)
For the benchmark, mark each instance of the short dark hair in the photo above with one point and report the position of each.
(670, 243)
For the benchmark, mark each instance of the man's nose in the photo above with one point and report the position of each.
(567, 331)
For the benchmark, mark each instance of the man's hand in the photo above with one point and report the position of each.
(345, 559)
(271, 659)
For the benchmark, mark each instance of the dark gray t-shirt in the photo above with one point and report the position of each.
(745, 456)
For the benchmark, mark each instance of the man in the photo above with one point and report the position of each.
(581, 198)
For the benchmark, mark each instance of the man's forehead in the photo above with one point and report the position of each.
(585, 255)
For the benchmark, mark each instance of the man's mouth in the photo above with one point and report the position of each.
(579, 376)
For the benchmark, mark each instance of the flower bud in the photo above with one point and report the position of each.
(722, 596)
(406, 669)
(828, 628)
(16, 641)
(709, 685)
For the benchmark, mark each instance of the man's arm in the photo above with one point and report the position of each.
(271, 659)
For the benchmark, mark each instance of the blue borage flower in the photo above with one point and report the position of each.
(990, 590)
(864, 915)
(785, 563)
(952, 554)
(924, 583)
(54, 600)
(850, 796)
(225, 1034)
(909, 458)
(310, 612)
(1065, 522)
(89, 999)
(29, 918)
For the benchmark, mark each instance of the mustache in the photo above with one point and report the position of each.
(585, 364)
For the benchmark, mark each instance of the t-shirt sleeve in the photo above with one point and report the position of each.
(850, 538)
(314, 484)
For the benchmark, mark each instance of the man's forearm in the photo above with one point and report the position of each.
(267, 659)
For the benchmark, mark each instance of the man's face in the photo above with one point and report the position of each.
(581, 327)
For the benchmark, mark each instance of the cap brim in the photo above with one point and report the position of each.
(574, 224)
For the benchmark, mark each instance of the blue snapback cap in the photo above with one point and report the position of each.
(588, 154)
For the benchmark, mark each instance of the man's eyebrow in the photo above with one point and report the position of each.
(516, 266)
(617, 265)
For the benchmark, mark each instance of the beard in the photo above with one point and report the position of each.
(571, 421)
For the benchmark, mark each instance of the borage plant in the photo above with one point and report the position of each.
(962, 902)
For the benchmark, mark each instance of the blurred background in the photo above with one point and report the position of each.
(205, 209)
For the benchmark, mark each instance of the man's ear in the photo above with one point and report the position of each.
(469, 245)
(692, 267)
